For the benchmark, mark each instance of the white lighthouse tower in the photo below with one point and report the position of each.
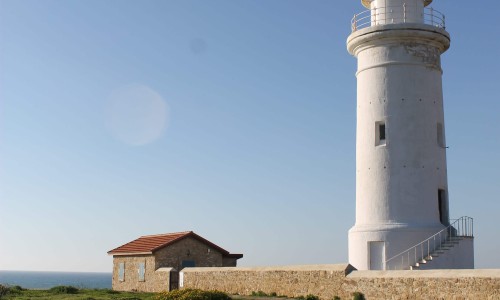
(402, 211)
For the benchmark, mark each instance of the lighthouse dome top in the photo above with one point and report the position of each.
(367, 3)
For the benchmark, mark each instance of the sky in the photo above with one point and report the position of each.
(232, 118)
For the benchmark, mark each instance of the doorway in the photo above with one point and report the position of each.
(376, 253)
(443, 207)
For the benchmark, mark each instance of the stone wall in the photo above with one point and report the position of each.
(327, 281)
(292, 281)
(188, 249)
(154, 280)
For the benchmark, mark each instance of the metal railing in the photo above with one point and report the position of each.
(463, 227)
(398, 14)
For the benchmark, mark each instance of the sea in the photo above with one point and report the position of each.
(47, 280)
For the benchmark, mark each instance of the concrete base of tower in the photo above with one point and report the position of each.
(371, 247)
(459, 256)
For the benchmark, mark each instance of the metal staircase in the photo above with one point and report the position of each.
(431, 248)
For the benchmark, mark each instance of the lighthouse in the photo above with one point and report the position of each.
(402, 199)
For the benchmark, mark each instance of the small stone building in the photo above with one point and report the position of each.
(151, 263)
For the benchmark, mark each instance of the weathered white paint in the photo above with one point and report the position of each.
(397, 182)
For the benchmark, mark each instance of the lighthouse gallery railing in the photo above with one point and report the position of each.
(463, 227)
(397, 14)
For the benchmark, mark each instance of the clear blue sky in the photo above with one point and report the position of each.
(245, 131)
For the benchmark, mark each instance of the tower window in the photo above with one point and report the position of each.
(380, 133)
(440, 135)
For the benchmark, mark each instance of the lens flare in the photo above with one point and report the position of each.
(136, 115)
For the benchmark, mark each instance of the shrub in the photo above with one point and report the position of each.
(3, 290)
(336, 298)
(312, 297)
(259, 294)
(358, 296)
(273, 294)
(192, 294)
(17, 288)
(14, 290)
(64, 289)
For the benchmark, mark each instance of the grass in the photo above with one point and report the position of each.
(63, 293)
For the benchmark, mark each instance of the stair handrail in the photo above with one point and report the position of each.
(462, 227)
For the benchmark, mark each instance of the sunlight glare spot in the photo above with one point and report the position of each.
(136, 115)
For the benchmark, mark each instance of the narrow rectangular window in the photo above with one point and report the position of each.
(188, 264)
(381, 129)
(380, 133)
(141, 271)
(440, 135)
(121, 271)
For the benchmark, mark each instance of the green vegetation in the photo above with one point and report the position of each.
(192, 294)
(308, 297)
(64, 289)
(71, 293)
(358, 296)
(262, 294)
(3, 291)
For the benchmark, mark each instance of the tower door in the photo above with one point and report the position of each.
(376, 255)
(442, 206)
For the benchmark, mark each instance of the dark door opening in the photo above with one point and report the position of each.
(443, 212)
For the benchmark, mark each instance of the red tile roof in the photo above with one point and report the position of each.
(148, 244)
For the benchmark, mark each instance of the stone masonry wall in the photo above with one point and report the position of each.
(322, 280)
(154, 281)
(229, 262)
(200, 253)
(327, 281)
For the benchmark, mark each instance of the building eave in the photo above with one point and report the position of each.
(129, 253)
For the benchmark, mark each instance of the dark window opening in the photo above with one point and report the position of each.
(188, 264)
(380, 134)
(381, 130)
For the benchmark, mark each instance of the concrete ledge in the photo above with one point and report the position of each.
(454, 273)
(336, 267)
